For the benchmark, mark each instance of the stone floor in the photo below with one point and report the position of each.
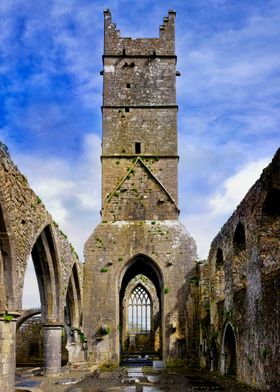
(130, 379)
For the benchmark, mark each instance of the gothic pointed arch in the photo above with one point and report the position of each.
(229, 351)
(72, 343)
(73, 300)
(240, 256)
(46, 264)
(142, 264)
(139, 306)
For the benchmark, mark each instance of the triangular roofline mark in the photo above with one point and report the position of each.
(139, 159)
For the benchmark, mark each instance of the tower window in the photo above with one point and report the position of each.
(127, 85)
(137, 148)
(126, 110)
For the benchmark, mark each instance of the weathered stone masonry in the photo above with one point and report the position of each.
(222, 314)
(140, 232)
(28, 229)
(240, 286)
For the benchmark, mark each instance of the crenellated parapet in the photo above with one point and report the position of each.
(115, 45)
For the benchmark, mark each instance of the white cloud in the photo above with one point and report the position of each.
(71, 191)
(30, 296)
(205, 222)
(236, 186)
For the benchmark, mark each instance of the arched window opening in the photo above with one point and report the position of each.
(219, 258)
(271, 206)
(139, 311)
(239, 238)
(229, 351)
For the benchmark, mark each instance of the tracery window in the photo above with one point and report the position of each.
(139, 311)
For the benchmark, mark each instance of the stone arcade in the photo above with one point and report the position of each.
(141, 291)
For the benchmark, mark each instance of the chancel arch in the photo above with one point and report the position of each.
(141, 310)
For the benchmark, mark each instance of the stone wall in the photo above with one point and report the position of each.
(126, 174)
(243, 274)
(30, 342)
(25, 217)
(138, 196)
(26, 228)
(109, 252)
(164, 45)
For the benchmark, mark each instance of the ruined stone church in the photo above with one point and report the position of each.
(142, 294)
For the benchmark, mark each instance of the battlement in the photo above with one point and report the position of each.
(115, 45)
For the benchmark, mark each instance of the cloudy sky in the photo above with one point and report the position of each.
(228, 95)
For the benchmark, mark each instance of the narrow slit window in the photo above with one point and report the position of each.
(137, 148)
(127, 85)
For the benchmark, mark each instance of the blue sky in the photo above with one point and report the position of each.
(228, 97)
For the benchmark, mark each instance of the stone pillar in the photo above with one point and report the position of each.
(223, 366)
(52, 349)
(7, 351)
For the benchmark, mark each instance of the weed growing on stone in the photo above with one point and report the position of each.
(8, 317)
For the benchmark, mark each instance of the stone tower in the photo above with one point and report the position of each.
(139, 234)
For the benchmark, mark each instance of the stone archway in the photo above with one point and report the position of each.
(46, 265)
(141, 288)
(75, 339)
(229, 351)
(47, 269)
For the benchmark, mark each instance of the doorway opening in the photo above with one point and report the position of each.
(141, 312)
(229, 351)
